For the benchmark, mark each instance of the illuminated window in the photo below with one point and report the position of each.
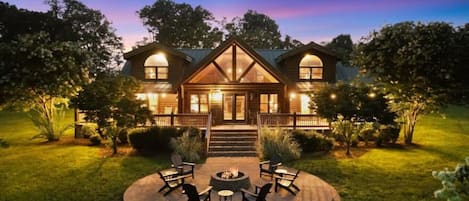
(311, 68)
(305, 100)
(156, 67)
(233, 65)
(268, 103)
(159, 103)
(199, 103)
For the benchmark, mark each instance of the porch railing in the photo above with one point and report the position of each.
(187, 119)
(292, 120)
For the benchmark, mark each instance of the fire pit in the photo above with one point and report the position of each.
(230, 180)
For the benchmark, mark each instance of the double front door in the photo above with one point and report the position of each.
(234, 108)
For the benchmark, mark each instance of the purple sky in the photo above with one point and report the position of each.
(305, 20)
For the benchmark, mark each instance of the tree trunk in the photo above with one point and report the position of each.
(348, 147)
(409, 124)
(114, 145)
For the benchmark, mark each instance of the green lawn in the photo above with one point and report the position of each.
(33, 170)
(390, 174)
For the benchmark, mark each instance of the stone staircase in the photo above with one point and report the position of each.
(233, 142)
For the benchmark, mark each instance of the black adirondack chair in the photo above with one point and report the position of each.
(183, 168)
(286, 181)
(259, 194)
(192, 194)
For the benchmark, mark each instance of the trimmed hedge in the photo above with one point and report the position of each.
(156, 138)
(311, 141)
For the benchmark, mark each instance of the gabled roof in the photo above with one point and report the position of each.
(311, 45)
(152, 46)
(234, 40)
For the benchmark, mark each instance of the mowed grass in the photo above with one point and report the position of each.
(34, 170)
(398, 173)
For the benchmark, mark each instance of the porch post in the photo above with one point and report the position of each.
(294, 120)
(172, 118)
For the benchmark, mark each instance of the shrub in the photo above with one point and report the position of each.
(122, 136)
(279, 143)
(156, 138)
(143, 138)
(455, 183)
(387, 134)
(3, 143)
(313, 141)
(87, 130)
(368, 132)
(189, 146)
(345, 129)
(49, 127)
(95, 140)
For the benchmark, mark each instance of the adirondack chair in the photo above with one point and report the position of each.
(286, 181)
(268, 167)
(259, 193)
(183, 168)
(193, 195)
(171, 181)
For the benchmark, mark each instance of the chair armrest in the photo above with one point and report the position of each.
(176, 178)
(244, 191)
(264, 162)
(207, 190)
(187, 163)
(282, 178)
(277, 164)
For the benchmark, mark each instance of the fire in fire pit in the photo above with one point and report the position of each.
(230, 174)
(231, 179)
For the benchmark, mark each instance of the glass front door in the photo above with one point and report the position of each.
(234, 108)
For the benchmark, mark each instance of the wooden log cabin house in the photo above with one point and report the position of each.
(232, 82)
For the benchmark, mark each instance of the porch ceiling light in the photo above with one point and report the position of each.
(217, 95)
(333, 96)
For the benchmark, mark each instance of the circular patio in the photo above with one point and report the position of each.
(312, 187)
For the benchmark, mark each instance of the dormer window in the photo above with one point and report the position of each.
(311, 68)
(156, 67)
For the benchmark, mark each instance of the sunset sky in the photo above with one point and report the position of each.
(303, 20)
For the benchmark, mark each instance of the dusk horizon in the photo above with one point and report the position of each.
(306, 21)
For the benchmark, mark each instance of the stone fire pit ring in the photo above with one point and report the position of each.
(233, 184)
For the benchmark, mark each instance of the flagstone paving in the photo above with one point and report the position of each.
(312, 187)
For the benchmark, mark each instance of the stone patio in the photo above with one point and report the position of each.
(312, 187)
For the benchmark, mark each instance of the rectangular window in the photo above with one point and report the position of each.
(199, 103)
(162, 72)
(268, 103)
(150, 73)
(310, 73)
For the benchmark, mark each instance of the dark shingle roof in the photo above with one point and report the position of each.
(270, 55)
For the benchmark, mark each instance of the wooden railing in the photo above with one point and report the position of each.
(292, 120)
(194, 120)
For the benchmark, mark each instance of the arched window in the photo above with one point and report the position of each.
(311, 68)
(156, 67)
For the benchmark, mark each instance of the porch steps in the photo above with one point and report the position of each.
(233, 142)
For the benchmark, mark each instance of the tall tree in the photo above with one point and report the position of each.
(460, 93)
(343, 46)
(414, 63)
(289, 43)
(52, 56)
(92, 29)
(180, 25)
(258, 30)
(111, 103)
